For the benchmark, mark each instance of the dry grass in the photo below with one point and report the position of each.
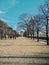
(23, 47)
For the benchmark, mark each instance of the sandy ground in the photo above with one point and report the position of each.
(23, 47)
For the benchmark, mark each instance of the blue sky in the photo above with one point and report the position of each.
(10, 10)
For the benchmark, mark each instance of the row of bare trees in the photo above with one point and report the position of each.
(33, 25)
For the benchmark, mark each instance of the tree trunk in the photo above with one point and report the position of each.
(28, 34)
(47, 31)
(33, 35)
(37, 35)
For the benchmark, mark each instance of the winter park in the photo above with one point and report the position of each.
(24, 32)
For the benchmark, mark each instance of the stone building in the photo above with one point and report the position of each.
(6, 31)
(10, 33)
(3, 27)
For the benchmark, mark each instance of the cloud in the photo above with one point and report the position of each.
(2, 12)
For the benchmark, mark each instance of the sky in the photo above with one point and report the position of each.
(10, 10)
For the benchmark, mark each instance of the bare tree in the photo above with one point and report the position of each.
(32, 26)
(45, 11)
(24, 22)
(39, 24)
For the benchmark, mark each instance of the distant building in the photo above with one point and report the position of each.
(11, 33)
(6, 31)
(3, 27)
